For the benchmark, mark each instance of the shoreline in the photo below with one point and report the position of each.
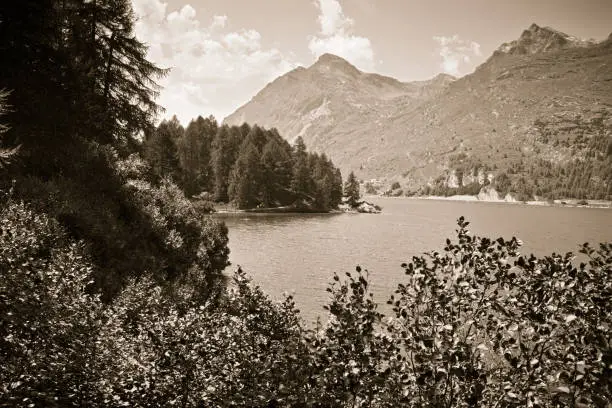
(543, 203)
(271, 210)
(570, 203)
(363, 208)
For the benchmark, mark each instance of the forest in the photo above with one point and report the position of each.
(248, 166)
(587, 175)
(112, 290)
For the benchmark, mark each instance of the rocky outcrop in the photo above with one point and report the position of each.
(362, 207)
(538, 39)
(489, 193)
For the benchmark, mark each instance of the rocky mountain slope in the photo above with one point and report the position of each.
(545, 98)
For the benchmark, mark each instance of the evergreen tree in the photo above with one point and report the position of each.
(194, 155)
(208, 129)
(161, 149)
(257, 137)
(283, 174)
(76, 69)
(322, 181)
(29, 33)
(188, 154)
(225, 148)
(245, 178)
(301, 179)
(336, 192)
(351, 190)
(276, 167)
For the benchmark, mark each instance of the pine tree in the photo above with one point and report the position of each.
(245, 178)
(161, 149)
(336, 192)
(121, 85)
(351, 190)
(301, 180)
(76, 73)
(276, 168)
(225, 147)
(31, 63)
(194, 154)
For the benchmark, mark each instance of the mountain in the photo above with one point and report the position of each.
(335, 107)
(538, 39)
(538, 110)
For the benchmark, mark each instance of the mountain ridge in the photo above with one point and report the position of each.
(538, 39)
(424, 133)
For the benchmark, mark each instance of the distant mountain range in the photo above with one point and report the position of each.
(536, 112)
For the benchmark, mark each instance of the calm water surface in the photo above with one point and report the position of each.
(298, 253)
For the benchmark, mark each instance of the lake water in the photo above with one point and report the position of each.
(298, 253)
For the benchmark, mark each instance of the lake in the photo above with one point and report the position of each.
(298, 253)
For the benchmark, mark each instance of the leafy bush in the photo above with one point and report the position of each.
(481, 325)
(132, 224)
(49, 321)
(244, 352)
(352, 360)
(203, 206)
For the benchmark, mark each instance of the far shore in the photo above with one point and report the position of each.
(363, 207)
(272, 210)
(471, 198)
(228, 209)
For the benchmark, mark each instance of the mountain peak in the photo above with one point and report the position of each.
(329, 62)
(533, 27)
(444, 77)
(328, 58)
(536, 39)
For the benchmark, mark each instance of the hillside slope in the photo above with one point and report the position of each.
(336, 108)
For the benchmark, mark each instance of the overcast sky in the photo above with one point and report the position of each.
(223, 51)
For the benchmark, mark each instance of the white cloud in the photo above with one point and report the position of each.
(456, 53)
(336, 37)
(213, 71)
(219, 22)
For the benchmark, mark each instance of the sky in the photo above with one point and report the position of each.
(222, 52)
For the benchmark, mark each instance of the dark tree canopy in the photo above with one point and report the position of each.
(249, 166)
(246, 177)
(161, 149)
(74, 69)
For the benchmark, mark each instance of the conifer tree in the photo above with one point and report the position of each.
(351, 190)
(225, 148)
(245, 178)
(161, 149)
(336, 192)
(276, 168)
(194, 154)
(75, 68)
(301, 180)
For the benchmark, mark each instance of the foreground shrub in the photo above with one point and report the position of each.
(133, 224)
(352, 360)
(49, 322)
(481, 325)
(244, 352)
